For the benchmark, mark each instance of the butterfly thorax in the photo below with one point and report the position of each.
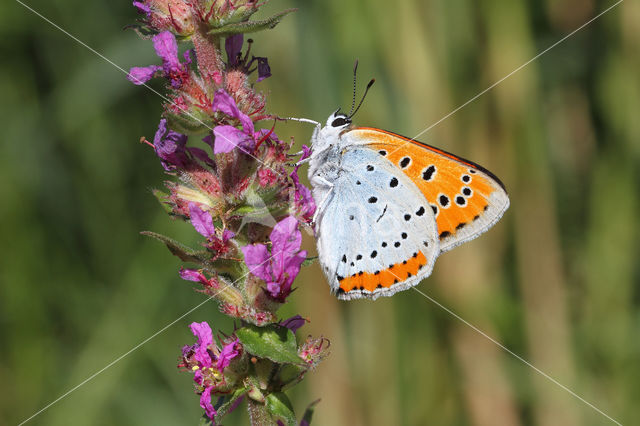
(326, 146)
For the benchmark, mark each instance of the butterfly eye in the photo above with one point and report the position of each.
(340, 121)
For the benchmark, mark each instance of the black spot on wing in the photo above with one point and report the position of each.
(428, 173)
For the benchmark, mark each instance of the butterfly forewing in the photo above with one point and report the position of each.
(465, 198)
(377, 234)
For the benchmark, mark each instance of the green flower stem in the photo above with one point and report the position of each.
(258, 414)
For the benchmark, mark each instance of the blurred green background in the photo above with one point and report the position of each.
(557, 280)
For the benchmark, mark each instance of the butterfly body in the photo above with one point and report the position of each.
(387, 207)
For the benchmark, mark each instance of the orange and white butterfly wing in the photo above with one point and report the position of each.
(375, 231)
(466, 199)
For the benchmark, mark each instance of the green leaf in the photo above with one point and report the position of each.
(273, 342)
(280, 408)
(186, 254)
(162, 198)
(224, 409)
(250, 26)
(308, 413)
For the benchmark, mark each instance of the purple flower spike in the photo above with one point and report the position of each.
(202, 221)
(228, 352)
(205, 403)
(205, 338)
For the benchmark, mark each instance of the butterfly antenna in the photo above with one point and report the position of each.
(373, 80)
(353, 102)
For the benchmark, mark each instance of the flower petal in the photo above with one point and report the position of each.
(274, 288)
(229, 137)
(142, 8)
(140, 75)
(223, 102)
(170, 146)
(202, 221)
(256, 257)
(205, 403)
(294, 323)
(167, 49)
(205, 338)
(192, 275)
(264, 70)
(286, 241)
(292, 269)
(228, 352)
(233, 46)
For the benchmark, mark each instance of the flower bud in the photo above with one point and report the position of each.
(314, 350)
(168, 15)
(217, 13)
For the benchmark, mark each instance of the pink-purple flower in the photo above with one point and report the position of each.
(228, 137)
(294, 323)
(205, 403)
(202, 356)
(205, 338)
(233, 47)
(172, 69)
(170, 146)
(202, 221)
(280, 267)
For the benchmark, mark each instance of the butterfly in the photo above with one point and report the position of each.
(388, 206)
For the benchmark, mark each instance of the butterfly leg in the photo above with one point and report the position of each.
(324, 187)
(301, 162)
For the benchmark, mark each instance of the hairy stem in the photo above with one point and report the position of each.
(258, 414)
(208, 52)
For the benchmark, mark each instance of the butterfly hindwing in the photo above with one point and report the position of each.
(465, 198)
(376, 233)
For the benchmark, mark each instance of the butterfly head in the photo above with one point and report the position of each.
(330, 133)
(338, 121)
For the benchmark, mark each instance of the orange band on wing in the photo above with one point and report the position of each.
(384, 278)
